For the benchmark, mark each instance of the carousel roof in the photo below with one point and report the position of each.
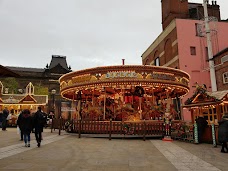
(157, 81)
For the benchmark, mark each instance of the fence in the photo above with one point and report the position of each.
(182, 131)
(111, 128)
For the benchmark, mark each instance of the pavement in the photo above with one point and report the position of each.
(68, 152)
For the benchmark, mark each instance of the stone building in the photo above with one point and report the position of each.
(45, 77)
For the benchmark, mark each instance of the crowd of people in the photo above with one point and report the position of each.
(28, 123)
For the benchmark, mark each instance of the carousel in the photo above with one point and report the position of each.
(125, 92)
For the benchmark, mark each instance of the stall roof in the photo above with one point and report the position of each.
(201, 97)
(23, 98)
(218, 94)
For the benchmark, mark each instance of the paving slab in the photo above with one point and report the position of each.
(68, 152)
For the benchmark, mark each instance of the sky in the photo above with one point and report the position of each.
(90, 33)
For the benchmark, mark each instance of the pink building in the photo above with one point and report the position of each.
(182, 45)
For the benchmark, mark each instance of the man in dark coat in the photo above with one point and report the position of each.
(19, 124)
(223, 133)
(39, 123)
(201, 125)
(26, 126)
(5, 114)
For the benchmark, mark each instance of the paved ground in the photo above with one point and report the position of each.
(68, 152)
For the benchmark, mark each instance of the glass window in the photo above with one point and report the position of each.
(225, 77)
(157, 62)
(193, 50)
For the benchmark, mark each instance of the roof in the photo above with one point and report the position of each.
(7, 72)
(201, 97)
(58, 60)
(221, 52)
(24, 69)
(23, 98)
(218, 94)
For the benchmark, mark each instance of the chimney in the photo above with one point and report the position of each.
(123, 61)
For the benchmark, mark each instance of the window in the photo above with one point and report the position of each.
(224, 59)
(206, 54)
(157, 61)
(199, 29)
(225, 77)
(193, 50)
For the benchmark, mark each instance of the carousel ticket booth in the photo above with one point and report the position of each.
(15, 103)
(210, 105)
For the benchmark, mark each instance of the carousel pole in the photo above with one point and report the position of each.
(152, 97)
(93, 96)
(140, 107)
(140, 104)
(104, 103)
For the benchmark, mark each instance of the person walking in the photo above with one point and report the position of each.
(19, 124)
(39, 123)
(26, 126)
(223, 133)
(5, 114)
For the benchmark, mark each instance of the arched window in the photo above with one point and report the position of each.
(168, 51)
(156, 59)
(30, 88)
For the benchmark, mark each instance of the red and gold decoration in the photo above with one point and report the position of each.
(124, 92)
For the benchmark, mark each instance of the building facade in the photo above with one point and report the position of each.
(46, 77)
(182, 44)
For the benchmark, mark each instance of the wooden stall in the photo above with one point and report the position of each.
(210, 105)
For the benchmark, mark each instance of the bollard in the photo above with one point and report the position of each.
(52, 125)
(110, 131)
(196, 133)
(144, 130)
(60, 126)
(79, 128)
(213, 135)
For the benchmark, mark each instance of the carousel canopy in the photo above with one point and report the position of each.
(162, 82)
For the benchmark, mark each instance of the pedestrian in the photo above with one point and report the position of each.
(26, 126)
(5, 114)
(223, 133)
(51, 117)
(39, 123)
(201, 125)
(20, 125)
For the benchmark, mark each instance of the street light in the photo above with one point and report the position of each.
(53, 92)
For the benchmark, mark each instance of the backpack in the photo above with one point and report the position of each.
(41, 119)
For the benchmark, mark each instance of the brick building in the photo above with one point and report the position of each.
(182, 43)
(221, 69)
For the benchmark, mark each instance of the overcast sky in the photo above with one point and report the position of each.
(90, 33)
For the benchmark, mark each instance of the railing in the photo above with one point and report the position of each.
(137, 128)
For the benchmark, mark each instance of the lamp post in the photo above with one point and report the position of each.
(209, 47)
(53, 92)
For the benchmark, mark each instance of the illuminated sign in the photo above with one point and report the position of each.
(121, 74)
(81, 78)
(162, 76)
